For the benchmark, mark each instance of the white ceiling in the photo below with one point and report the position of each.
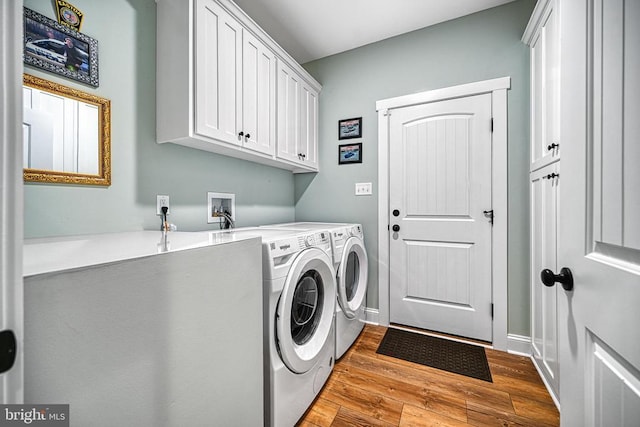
(312, 29)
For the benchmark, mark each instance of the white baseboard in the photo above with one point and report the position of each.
(519, 344)
(546, 384)
(516, 344)
(372, 315)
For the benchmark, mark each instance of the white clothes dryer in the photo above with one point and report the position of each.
(299, 310)
(351, 264)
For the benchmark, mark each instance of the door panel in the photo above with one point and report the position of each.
(600, 352)
(544, 310)
(440, 181)
(437, 155)
(289, 87)
(258, 95)
(545, 92)
(308, 128)
(439, 271)
(218, 100)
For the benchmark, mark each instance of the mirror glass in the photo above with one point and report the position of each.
(66, 134)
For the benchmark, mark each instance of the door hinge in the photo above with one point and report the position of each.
(492, 125)
(492, 310)
(386, 113)
(489, 215)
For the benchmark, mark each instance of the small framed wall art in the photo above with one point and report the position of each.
(350, 128)
(59, 49)
(350, 153)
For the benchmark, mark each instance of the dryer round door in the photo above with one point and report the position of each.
(304, 317)
(352, 277)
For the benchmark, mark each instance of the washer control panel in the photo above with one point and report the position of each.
(290, 245)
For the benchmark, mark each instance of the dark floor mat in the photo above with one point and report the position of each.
(452, 356)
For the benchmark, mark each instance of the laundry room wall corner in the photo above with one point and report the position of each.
(477, 47)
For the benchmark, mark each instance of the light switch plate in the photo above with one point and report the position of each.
(363, 189)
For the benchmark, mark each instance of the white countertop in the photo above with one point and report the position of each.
(53, 254)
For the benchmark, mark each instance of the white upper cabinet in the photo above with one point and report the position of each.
(258, 95)
(218, 81)
(297, 119)
(542, 36)
(219, 87)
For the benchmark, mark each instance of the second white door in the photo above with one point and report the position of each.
(440, 210)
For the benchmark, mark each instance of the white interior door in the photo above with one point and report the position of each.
(11, 381)
(599, 229)
(440, 245)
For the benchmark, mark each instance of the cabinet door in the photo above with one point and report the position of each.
(258, 95)
(289, 89)
(217, 85)
(544, 309)
(545, 76)
(309, 127)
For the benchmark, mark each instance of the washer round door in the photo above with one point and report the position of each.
(304, 316)
(352, 277)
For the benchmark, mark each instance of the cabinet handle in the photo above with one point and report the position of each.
(551, 176)
(247, 136)
(552, 146)
(241, 134)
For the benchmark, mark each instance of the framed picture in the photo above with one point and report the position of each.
(59, 49)
(350, 153)
(350, 128)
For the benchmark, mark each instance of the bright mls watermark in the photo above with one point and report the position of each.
(34, 415)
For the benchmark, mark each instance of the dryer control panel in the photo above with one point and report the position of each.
(340, 236)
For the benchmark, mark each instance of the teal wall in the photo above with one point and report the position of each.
(478, 47)
(141, 168)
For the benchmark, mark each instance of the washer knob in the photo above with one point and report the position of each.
(308, 241)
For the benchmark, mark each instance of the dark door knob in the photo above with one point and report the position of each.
(549, 278)
(247, 136)
(395, 228)
(7, 350)
(552, 146)
(240, 134)
(396, 212)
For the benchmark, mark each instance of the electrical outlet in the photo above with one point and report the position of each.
(162, 201)
(363, 189)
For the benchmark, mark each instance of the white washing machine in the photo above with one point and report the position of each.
(299, 295)
(351, 264)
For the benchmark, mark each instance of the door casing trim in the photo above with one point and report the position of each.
(498, 88)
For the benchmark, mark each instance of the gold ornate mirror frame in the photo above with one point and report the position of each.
(103, 177)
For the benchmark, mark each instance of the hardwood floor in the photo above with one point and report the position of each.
(368, 389)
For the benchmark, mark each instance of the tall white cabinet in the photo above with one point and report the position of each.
(220, 87)
(541, 35)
